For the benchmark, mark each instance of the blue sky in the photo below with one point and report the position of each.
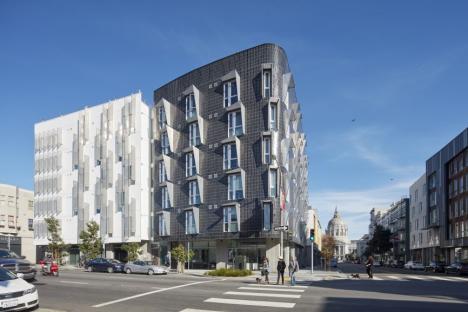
(398, 67)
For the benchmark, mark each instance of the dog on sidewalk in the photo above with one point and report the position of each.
(355, 275)
(259, 280)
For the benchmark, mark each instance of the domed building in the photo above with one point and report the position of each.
(338, 229)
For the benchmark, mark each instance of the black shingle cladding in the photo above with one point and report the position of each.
(248, 64)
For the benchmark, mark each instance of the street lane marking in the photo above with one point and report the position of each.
(416, 278)
(394, 277)
(442, 278)
(272, 289)
(274, 304)
(276, 286)
(257, 294)
(196, 310)
(463, 279)
(72, 282)
(150, 293)
(376, 278)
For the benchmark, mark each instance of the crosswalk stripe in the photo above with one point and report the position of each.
(258, 303)
(259, 294)
(376, 278)
(197, 310)
(416, 278)
(276, 286)
(394, 277)
(442, 278)
(459, 278)
(273, 289)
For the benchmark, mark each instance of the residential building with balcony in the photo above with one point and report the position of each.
(93, 165)
(447, 198)
(16, 220)
(229, 161)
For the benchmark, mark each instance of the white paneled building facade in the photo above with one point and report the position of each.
(93, 165)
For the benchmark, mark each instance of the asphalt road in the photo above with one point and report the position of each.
(389, 291)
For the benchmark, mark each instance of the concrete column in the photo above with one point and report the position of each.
(221, 254)
(109, 252)
(272, 252)
(146, 248)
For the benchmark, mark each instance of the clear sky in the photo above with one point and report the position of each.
(399, 68)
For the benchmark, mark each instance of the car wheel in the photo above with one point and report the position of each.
(110, 270)
(128, 271)
(150, 272)
(90, 269)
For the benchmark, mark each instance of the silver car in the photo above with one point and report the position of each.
(145, 267)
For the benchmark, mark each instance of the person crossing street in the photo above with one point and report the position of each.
(280, 267)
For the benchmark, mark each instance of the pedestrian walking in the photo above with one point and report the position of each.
(294, 270)
(280, 268)
(369, 266)
(266, 269)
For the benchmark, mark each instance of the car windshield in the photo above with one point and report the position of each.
(8, 254)
(6, 275)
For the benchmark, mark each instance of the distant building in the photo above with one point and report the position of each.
(338, 229)
(361, 246)
(93, 164)
(313, 223)
(424, 242)
(447, 200)
(16, 221)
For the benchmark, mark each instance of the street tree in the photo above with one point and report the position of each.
(133, 251)
(328, 248)
(56, 245)
(380, 242)
(91, 243)
(182, 256)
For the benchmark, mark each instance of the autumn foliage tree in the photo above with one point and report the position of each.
(328, 248)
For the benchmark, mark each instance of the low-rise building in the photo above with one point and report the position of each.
(16, 220)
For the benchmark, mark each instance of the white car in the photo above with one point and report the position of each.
(15, 293)
(145, 267)
(413, 265)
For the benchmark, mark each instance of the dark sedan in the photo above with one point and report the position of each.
(104, 265)
(457, 268)
(436, 267)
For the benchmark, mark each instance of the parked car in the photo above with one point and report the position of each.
(436, 267)
(145, 267)
(333, 263)
(457, 268)
(414, 265)
(398, 264)
(16, 264)
(104, 265)
(15, 293)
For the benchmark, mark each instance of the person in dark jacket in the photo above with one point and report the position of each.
(280, 268)
(369, 265)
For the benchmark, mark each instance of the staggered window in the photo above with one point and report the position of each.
(161, 225)
(162, 117)
(273, 181)
(235, 187)
(267, 84)
(194, 134)
(194, 193)
(266, 146)
(165, 203)
(267, 216)
(273, 117)
(165, 144)
(234, 123)
(230, 220)
(162, 172)
(230, 93)
(230, 156)
(190, 106)
(190, 227)
(190, 167)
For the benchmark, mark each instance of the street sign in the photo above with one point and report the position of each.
(281, 228)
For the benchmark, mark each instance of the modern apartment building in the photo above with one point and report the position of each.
(94, 165)
(424, 242)
(447, 198)
(229, 161)
(16, 220)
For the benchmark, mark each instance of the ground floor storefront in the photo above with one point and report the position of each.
(226, 253)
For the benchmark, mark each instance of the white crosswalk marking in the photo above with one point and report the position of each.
(197, 310)
(394, 277)
(276, 286)
(463, 279)
(259, 294)
(442, 278)
(258, 303)
(376, 278)
(414, 277)
(273, 289)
